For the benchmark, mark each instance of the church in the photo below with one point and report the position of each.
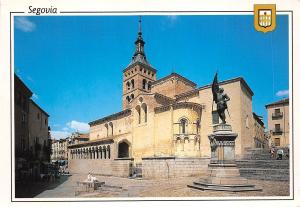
(166, 118)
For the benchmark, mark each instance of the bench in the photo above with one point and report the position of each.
(87, 186)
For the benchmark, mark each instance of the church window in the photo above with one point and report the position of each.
(138, 110)
(149, 85)
(106, 126)
(111, 128)
(183, 126)
(128, 85)
(132, 83)
(144, 83)
(128, 99)
(132, 96)
(198, 126)
(144, 107)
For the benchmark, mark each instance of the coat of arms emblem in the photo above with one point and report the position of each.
(265, 17)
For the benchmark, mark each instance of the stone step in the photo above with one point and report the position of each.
(268, 167)
(273, 178)
(242, 165)
(265, 174)
(264, 171)
(229, 188)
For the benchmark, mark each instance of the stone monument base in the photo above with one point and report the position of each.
(223, 177)
(223, 174)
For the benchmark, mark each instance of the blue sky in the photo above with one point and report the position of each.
(74, 64)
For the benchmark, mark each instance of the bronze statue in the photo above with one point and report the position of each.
(220, 98)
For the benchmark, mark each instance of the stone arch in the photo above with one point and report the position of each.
(104, 152)
(123, 149)
(108, 151)
(100, 152)
(90, 153)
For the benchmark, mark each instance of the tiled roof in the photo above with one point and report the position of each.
(280, 102)
(175, 75)
(111, 117)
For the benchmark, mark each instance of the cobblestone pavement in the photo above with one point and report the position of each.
(175, 187)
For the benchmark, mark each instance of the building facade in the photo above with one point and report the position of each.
(39, 132)
(260, 136)
(168, 117)
(32, 133)
(278, 122)
(21, 109)
(60, 147)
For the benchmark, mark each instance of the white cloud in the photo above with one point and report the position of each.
(24, 24)
(78, 126)
(35, 97)
(65, 129)
(282, 93)
(69, 128)
(59, 134)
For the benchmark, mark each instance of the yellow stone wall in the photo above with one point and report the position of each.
(239, 107)
(158, 136)
(171, 87)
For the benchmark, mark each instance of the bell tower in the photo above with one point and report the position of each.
(139, 74)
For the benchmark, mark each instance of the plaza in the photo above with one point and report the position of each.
(117, 187)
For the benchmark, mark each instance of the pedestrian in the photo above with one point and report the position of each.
(279, 154)
(272, 151)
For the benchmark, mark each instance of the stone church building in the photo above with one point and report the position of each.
(162, 120)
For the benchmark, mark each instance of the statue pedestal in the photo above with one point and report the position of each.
(223, 174)
(222, 143)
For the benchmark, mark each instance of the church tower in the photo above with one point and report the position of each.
(139, 74)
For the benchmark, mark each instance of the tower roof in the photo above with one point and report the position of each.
(139, 54)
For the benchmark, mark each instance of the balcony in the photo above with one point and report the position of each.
(277, 132)
(277, 115)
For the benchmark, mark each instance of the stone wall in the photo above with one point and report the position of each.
(169, 167)
(117, 167)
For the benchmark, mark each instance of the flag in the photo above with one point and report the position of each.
(215, 87)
